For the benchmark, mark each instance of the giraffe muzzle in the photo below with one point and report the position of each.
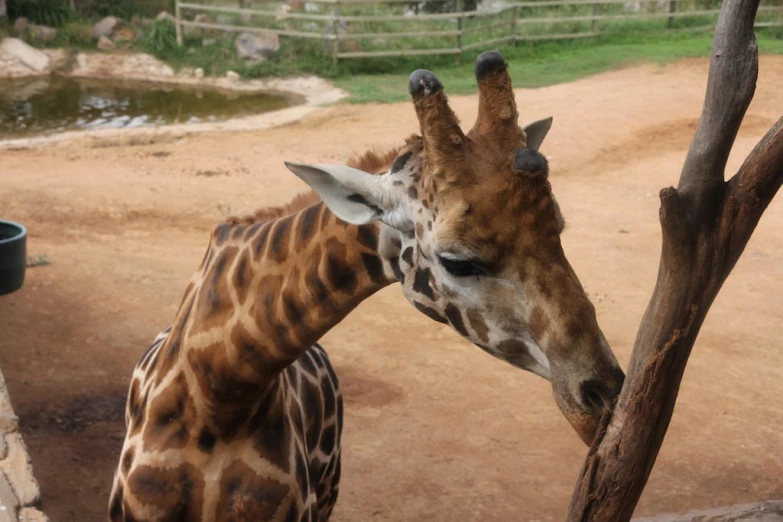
(597, 396)
(584, 404)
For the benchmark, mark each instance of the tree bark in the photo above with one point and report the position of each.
(706, 223)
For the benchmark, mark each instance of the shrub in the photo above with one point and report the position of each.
(161, 40)
(54, 13)
(124, 9)
(75, 33)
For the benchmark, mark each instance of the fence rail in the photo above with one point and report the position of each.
(513, 22)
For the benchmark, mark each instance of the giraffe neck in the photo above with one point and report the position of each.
(266, 292)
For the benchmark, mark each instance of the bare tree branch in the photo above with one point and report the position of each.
(730, 87)
(706, 224)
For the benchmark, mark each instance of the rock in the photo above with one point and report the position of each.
(199, 31)
(165, 15)
(105, 27)
(81, 60)
(104, 44)
(232, 76)
(198, 73)
(282, 11)
(43, 33)
(7, 497)
(206, 42)
(256, 47)
(30, 56)
(771, 511)
(18, 470)
(21, 25)
(29, 514)
(124, 35)
(161, 70)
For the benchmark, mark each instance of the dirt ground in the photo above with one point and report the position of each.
(436, 430)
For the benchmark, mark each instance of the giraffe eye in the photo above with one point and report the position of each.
(462, 267)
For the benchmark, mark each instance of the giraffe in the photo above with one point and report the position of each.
(235, 413)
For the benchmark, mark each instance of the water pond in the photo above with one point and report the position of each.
(44, 106)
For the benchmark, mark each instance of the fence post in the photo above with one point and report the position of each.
(672, 8)
(460, 9)
(514, 14)
(336, 32)
(594, 21)
(177, 20)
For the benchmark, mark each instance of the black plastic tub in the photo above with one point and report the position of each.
(13, 256)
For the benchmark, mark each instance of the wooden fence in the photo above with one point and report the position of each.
(334, 21)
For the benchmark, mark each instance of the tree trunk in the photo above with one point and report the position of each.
(3, 9)
(706, 223)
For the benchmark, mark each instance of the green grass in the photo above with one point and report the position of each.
(541, 64)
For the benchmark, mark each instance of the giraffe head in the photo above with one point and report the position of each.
(475, 229)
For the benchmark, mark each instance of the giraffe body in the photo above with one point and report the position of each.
(234, 414)
(283, 463)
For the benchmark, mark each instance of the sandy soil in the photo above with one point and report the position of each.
(436, 429)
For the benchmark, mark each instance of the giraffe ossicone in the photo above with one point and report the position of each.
(235, 413)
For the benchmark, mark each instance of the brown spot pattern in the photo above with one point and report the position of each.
(335, 269)
(171, 493)
(247, 496)
(479, 326)
(455, 318)
(171, 417)
(280, 238)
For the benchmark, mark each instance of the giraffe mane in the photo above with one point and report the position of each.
(371, 161)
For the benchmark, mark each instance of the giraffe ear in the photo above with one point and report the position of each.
(353, 195)
(536, 132)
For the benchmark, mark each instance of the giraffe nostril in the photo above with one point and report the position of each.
(595, 395)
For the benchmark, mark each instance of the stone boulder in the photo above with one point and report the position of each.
(165, 15)
(104, 44)
(105, 27)
(203, 19)
(21, 25)
(124, 35)
(771, 511)
(43, 33)
(30, 56)
(256, 47)
(200, 32)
